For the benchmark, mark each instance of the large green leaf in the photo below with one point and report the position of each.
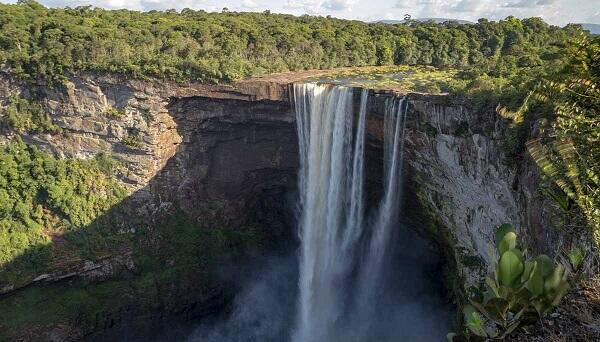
(560, 292)
(468, 311)
(508, 242)
(546, 264)
(541, 306)
(535, 283)
(520, 299)
(497, 308)
(492, 286)
(554, 280)
(510, 267)
(527, 272)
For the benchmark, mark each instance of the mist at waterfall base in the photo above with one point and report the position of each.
(360, 272)
(412, 308)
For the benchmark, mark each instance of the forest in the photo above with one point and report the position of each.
(38, 42)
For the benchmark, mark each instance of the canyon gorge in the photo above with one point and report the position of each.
(211, 174)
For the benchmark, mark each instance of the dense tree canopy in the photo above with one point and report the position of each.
(38, 42)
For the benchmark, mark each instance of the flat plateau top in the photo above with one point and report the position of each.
(397, 79)
(402, 78)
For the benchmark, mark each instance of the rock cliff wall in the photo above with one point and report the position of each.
(460, 175)
(460, 186)
(190, 145)
(196, 160)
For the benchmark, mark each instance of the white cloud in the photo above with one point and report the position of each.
(338, 5)
(292, 4)
(404, 3)
(249, 4)
(307, 6)
(467, 6)
(520, 4)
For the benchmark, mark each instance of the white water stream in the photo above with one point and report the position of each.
(342, 256)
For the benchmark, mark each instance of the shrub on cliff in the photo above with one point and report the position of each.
(520, 289)
(21, 115)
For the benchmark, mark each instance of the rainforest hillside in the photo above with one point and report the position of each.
(38, 42)
(527, 69)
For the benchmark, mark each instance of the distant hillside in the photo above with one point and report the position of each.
(436, 20)
(593, 28)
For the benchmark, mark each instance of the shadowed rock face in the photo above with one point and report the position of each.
(227, 156)
(200, 147)
(224, 157)
(232, 151)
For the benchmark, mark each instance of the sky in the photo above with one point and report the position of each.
(557, 12)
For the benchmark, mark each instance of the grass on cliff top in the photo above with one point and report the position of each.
(403, 78)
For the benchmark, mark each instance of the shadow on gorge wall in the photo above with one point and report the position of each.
(220, 199)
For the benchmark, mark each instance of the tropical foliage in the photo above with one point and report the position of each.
(520, 287)
(568, 146)
(42, 197)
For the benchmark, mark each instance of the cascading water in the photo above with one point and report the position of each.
(342, 257)
(388, 211)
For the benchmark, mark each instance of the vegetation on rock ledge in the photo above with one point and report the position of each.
(518, 291)
(42, 198)
(21, 115)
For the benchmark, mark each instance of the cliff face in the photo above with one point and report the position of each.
(460, 186)
(226, 156)
(191, 145)
(465, 183)
(195, 160)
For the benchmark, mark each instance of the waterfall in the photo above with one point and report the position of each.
(342, 256)
(373, 267)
